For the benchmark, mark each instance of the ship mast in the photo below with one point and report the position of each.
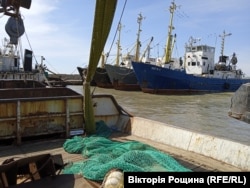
(223, 36)
(169, 46)
(147, 49)
(139, 20)
(118, 44)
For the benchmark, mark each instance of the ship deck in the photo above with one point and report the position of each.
(53, 146)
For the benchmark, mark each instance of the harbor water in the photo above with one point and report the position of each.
(205, 113)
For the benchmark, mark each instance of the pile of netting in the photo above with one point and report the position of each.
(102, 155)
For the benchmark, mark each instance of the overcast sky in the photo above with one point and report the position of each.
(60, 30)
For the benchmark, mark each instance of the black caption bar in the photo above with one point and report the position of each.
(187, 179)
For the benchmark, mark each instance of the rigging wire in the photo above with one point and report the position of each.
(26, 35)
(19, 40)
(30, 46)
(116, 31)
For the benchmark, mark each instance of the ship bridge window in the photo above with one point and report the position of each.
(199, 48)
(204, 58)
(193, 63)
(211, 49)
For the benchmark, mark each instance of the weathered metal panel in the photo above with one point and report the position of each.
(33, 112)
(7, 129)
(75, 105)
(7, 109)
(7, 119)
(48, 106)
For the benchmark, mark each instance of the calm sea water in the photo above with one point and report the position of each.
(207, 113)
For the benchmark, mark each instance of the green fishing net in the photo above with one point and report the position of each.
(102, 155)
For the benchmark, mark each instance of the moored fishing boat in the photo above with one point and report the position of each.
(12, 72)
(198, 72)
(121, 74)
(16, 71)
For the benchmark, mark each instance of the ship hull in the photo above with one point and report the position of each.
(100, 79)
(122, 78)
(159, 80)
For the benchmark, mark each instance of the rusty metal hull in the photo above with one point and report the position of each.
(21, 84)
(39, 111)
